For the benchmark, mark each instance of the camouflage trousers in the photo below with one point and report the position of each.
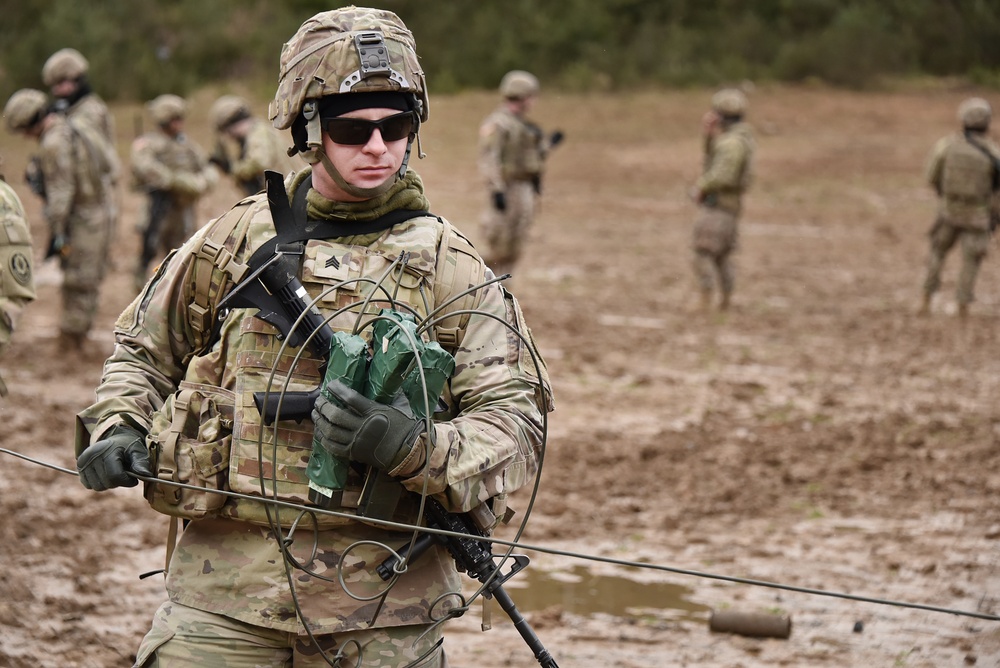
(506, 231)
(83, 268)
(182, 637)
(974, 243)
(715, 237)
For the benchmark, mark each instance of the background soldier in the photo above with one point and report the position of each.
(74, 163)
(65, 73)
(259, 145)
(729, 147)
(174, 173)
(512, 152)
(358, 231)
(17, 282)
(964, 170)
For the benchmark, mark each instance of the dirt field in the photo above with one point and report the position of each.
(818, 435)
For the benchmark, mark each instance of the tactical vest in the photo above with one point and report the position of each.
(966, 174)
(214, 438)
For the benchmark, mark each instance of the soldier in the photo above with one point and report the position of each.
(964, 170)
(174, 173)
(74, 164)
(17, 283)
(353, 96)
(65, 73)
(512, 153)
(729, 147)
(260, 145)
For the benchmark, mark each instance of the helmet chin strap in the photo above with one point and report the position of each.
(316, 154)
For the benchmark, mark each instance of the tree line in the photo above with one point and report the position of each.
(141, 48)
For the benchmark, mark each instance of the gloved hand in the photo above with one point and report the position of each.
(556, 138)
(499, 201)
(106, 463)
(352, 426)
(57, 247)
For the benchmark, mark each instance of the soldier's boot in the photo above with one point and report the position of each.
(925, 304)
(71, 340)
(963, 311)
(724, 301)
(706, 300)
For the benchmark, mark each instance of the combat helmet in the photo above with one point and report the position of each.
(339, 54)
(62, 65)
(730, 103)
(227, 110)
(518, 85)
(166, 108)
(975, 114)
(25, 108)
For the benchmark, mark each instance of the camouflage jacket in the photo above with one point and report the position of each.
(484, 445)
(176, 165)
(17, 286)
(510, 149)
(962, 175)
(77, 180)
(263, 148)
(727, 171)
(92, 111)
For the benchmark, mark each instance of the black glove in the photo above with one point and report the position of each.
(352, 426)
(106, 464)
(499, 201)
(57, 246)
(556, 138)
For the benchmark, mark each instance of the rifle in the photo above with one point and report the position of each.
(34, 176)
(474, 557)
(159, 206)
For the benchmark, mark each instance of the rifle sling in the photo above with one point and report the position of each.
(294, 226)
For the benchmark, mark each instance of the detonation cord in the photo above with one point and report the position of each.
(557, 552)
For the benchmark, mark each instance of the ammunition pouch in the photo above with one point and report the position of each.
(189, 442)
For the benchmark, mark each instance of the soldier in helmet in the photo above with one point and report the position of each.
(259, 145)
(65, 74)
(726, 173)
(512, 153)
(353, 234)
(73, 164)
(964, 170)
(174, 172)
(17, 282)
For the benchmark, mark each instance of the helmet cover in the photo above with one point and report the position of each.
(25, 108)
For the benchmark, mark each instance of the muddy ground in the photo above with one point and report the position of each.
(819, 435)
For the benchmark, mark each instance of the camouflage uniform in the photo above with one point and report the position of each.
(512, 152)
(177, 167)
(222, 562)
(963, 176)
(84, 107)
(232, 592)
(17, 287)
(726, 176)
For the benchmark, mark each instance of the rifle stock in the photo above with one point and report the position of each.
(474, 557)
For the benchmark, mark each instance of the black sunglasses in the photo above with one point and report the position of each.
(357, 131)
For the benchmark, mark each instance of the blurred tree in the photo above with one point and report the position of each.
(140, 48)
